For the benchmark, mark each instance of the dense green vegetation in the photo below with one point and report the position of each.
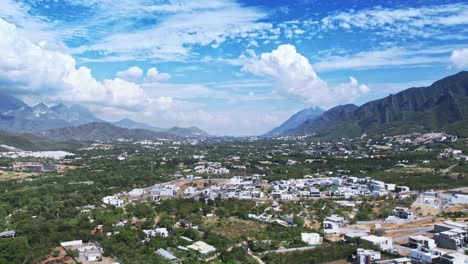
(47, 209)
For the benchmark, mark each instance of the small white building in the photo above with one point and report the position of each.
(385, 243)
(156, 232)
(311, 238)
(202, 247)
(365, 256)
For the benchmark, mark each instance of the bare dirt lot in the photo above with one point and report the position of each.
(234, 228)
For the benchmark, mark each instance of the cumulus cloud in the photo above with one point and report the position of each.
(28, 67)
(131, 74)
(153, 75)
(459, 58)
(296, 78)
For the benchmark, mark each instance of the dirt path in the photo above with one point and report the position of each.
(259, 260)
(449, 169)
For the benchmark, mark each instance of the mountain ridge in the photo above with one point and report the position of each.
(18, 117)
(295, 120)
(436, 107)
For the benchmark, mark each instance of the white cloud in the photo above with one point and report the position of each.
(131, 74)
(296, 78)
(410, 56)
(153, 75)
(459, 58)
(182, 25)
(27, 67)
(426, 21)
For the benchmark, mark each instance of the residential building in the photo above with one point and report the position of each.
(384, 243)
(403, 213)
(421, 241)
(449, 225)
(202, 247)
(426, 255)
(453, 239)
(113, 200)
(366, 256)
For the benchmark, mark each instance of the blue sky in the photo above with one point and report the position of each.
(229, 67)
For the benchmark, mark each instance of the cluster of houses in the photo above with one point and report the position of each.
(435, 137)
(154, 194)
(451, 153)
(57, 155)
(369, 256)
(254, 187)
(237, 187)
(206, 167)
(448, 245)
(336, 187)
(441, 200)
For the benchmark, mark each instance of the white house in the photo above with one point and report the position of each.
(385, 243)
(426, 255)
(364, 256)
(113, 200)
(156, 232)
(202, 247)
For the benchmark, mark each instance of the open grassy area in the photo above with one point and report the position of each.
(14, 175)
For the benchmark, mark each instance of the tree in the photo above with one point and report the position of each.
(299, 221)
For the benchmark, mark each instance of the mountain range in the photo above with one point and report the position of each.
(440, 106)
(61, 123)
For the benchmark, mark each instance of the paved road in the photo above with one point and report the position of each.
(370, 222)
(405, 250)
(421, 232)
(425, 229)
